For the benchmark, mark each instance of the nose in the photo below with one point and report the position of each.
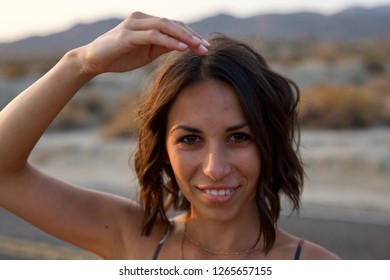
(216, 164)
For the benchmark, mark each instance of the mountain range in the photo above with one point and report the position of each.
(355, 23)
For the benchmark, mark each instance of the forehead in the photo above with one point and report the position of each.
(206, 102)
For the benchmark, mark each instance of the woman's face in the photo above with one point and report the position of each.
(212, 152)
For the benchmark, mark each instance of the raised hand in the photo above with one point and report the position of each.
(137, 41)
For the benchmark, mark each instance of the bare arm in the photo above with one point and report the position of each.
(85, 218)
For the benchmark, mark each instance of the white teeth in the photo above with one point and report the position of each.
(218, 192)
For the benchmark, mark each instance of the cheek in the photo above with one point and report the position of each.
(182, 165)
(250, 164)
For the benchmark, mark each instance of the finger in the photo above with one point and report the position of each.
(172, 28)
(139, 25)
(140, 15)
(204, 42)
(171, 43)
(156, 38)
(192, 31)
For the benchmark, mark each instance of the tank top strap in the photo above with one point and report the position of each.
(299, 249)
(162, 241)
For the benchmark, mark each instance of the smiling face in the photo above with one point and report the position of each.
(212, 153)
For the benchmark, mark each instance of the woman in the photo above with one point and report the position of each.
(216, 141)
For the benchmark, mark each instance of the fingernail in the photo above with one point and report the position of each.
(205, 43)
(202, 48)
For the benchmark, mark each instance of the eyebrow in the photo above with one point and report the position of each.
(196, 130)
(237, 127)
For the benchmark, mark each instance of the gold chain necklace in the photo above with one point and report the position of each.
(204, 248)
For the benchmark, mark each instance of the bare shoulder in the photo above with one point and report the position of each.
(288, 246)
(313, 251)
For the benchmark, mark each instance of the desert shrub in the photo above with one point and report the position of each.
(374, 65)
(14, 70)
(123, 122)
(86, 110)
(327, 106)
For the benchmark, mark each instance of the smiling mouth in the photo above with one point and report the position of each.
(223, 192)
(218, 192)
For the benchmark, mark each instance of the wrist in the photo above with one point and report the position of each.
(74, 60)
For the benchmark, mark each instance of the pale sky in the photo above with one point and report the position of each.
(22, 18)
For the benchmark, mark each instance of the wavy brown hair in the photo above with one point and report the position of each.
(269, 103)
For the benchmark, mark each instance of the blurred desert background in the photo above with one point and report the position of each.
(341, 63)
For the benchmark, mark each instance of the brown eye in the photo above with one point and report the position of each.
(190, 139)
(239, 137)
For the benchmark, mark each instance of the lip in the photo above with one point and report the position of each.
(218, 194)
